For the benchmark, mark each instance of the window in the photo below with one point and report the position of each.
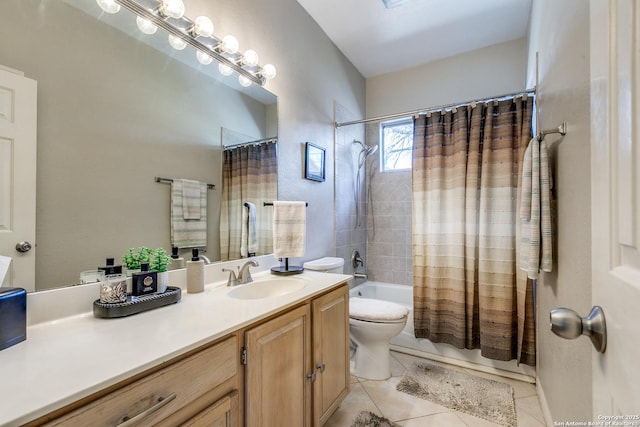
(397, 142)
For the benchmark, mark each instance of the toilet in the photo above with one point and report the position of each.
(325, 265)
(372, 324)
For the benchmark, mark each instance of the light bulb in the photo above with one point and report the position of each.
(176, 42)
(268, 71)
(225, 70)
(203, 27)
(109, 6)
(244, 81)
(230, 44)
(172, 8)
(146, 26)
(203, 58)
(250, 57)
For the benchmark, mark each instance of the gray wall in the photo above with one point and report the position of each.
(560, 33)
(486, 72)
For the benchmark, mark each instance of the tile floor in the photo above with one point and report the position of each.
(382, 398)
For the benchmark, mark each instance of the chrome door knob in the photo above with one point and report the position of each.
(23, 246)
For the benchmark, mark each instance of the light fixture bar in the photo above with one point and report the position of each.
(143, 12)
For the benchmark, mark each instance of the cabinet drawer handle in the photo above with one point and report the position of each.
(321, 367)
(126, 421)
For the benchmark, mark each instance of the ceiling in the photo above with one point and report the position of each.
(378, 40)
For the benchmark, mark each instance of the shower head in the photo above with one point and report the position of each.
(367, 150)
(370, 150)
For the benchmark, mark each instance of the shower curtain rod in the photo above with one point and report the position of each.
(432, 109)
(257, 141)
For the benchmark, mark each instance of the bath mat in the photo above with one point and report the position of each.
(480, 397)
(369, 419)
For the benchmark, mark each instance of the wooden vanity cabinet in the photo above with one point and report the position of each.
(296, 374)
(297, 364)
(199, 390)
(330, 322)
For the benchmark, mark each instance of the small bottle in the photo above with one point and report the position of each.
(176, 260)
(145, 282)
(195, 273)
(110, 268)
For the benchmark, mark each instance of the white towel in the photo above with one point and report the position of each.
(188, 233)
(289, 229)
(535, 211)
(191, 201)
(249, 245)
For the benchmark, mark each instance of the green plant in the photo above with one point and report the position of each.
(160, 260)
(133, 258)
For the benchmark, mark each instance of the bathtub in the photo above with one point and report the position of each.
(406, 342)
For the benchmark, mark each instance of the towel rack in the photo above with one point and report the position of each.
(170, 180)
(271, 204)
(562, 130)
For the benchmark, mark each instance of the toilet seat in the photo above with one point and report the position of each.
(376, 311)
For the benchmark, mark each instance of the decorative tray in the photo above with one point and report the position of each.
(134, 305)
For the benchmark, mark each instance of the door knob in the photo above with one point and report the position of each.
(568, 324)
(23, 246)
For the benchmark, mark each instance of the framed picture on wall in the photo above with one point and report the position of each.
(314, 162)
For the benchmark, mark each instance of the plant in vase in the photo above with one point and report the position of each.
(134, 257)
(160, 260)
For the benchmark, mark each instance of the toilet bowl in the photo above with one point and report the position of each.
(372, 324)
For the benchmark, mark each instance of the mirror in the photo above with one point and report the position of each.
(115, 112)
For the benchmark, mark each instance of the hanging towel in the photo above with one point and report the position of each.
(191, 200)
(289, 229)
(249, 245)
(535, 211)
(188, 233)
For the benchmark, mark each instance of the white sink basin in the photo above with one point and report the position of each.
(267, 288)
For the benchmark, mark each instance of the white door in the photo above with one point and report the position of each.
(615, 183)
(18, 176)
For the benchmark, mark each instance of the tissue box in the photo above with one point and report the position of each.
(13, 316)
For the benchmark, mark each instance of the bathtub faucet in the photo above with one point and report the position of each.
(360, 276)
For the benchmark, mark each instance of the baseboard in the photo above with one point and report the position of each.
(543, 403)
(464, 364)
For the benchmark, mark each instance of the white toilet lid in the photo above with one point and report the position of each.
(375, 309)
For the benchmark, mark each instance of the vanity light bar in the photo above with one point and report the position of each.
(180, 27)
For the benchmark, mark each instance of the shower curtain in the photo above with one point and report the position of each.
(249, 174)
(468, 289)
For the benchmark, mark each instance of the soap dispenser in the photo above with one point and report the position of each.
(110, 268)
(195, 273)
(176, 260)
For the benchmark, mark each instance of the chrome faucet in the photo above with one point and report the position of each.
(233, 280)
(205, 259)
(245, 275)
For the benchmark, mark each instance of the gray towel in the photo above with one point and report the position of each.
(188, 233)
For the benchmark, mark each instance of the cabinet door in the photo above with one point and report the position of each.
(330, 315)
(223, 413)
(278, 359)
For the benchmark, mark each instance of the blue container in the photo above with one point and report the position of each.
(13, 316)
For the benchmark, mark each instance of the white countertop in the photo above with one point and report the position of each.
(67, 359)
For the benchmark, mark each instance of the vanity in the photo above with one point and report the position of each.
(224, 357)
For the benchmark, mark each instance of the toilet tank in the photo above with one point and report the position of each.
(326, 265)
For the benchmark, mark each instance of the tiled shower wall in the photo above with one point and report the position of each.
(389, 256)
(349, 235)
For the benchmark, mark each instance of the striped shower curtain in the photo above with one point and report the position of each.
(468, 289)
(249, 174)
